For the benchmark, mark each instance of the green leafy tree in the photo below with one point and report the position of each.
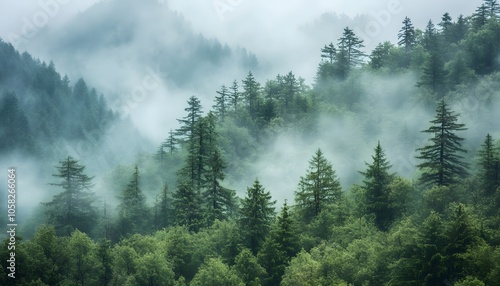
(256, 215)
(83, 260)
(215, 272)
(303, 270)
(376, 182)
(132, 210)
(248, 268)
(379, 57)
(105, 259)
(318, 188)
(153, 269)
(72, 208)
(442, 165)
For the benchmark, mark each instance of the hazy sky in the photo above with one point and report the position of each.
(264, 27)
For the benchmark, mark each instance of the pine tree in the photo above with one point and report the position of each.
(406, 36)
(378, 58)
(279, 247)
(493, 8)
(72, 208)
(430, 40)
(442, 165)
(194, 111)
(163, 209)
(170, 143)
(318, 188)
(251, 93)
(480, 17)
(235, 95)
(187, 207)
(221, 102)
(132, 211)
(377, 179)
(446, 27)
(194, 166)
(218, 198)
(328, 53)
(434, 75)
(489, 161)
(14, 125)
(256, 215)
(350, 54)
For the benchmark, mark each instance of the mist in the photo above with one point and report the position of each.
(133, 53)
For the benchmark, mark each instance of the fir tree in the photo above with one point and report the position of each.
(256, 215)
(318, 188)
(219, 200)
(170, 143)
(328, 53)
(72, 208)
(163, 209)
(251, 92)
(442, 165)
(194, 111)
(406, 36)
(377, 179)
(187, 207)
(489, 161)
(132, 210)
(221, 102)
(349, 53)
(235, 95)
(279, 247)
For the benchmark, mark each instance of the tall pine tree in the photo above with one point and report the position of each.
(318, 188)
(72, 208)
(442, 164)
(489, 161)
(377, 179)
(256, 215)
(133, 213)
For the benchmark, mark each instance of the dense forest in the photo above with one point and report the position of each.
(178, 216)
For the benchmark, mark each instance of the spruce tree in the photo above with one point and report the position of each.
(194, 111)
(221, 102)
(377, 179)
(318, 188)
(234, 95)
(219, 200)
(349, 47)
(406, 36)
(72, 208)
(279, 247)
(133, 213)
(328, 53)
(256, 215)
(187, 207)
(163, 209)
(442, 164)
(489, 161)
(251, 93)
(170, 144)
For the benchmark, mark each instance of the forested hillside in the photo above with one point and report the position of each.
(421, 207)
(40, 107)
